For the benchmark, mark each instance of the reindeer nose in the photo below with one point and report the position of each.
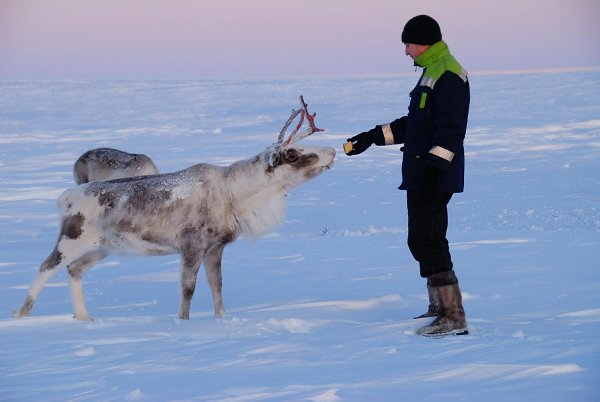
(329, 154)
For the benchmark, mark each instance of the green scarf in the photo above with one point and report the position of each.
(437, 60)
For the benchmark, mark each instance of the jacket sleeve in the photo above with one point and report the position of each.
(390, 134)
(451, 105)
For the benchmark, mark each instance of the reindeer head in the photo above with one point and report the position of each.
(295, 164)
(263, 181)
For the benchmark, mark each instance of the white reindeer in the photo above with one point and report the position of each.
(195, 212)
(102, 164)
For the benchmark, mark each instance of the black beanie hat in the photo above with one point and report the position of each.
(421, 30)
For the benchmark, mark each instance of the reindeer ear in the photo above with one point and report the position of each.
(274, 159)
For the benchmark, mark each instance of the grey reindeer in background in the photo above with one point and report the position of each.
(194, 212)
(103, 164)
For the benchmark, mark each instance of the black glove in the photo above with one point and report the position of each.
(361, 142)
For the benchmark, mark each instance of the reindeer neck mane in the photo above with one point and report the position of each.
(259, 202)
(258, 198)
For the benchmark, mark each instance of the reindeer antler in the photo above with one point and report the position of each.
(285, 127)
(295, 136)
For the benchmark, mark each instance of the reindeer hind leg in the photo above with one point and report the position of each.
(76, 270)
(49, 267)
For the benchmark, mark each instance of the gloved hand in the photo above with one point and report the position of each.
(361, 142)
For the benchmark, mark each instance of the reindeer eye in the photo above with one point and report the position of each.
(291, 155)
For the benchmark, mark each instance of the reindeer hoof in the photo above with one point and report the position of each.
(83, 317)
(19, 313)
(224, 318)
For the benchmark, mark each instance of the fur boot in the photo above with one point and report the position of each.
(451, 320)
(434, 303)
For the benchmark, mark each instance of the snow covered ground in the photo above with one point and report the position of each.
(321, 309)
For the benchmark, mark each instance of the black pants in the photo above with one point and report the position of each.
(427, 226)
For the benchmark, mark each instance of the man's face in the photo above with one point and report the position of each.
(414, 50)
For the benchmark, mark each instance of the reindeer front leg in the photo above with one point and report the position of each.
(212, 265)
(192, 254)
(189, 274)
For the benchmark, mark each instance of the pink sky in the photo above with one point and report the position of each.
(247, 38)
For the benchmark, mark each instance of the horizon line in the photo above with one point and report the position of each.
(299, 76)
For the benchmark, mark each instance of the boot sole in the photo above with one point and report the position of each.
(456, 332)
(425, 316)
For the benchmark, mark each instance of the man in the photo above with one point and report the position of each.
(432, 167)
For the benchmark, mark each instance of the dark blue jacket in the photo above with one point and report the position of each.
(433, 132)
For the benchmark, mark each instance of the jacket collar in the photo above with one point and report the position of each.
(433, 54)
